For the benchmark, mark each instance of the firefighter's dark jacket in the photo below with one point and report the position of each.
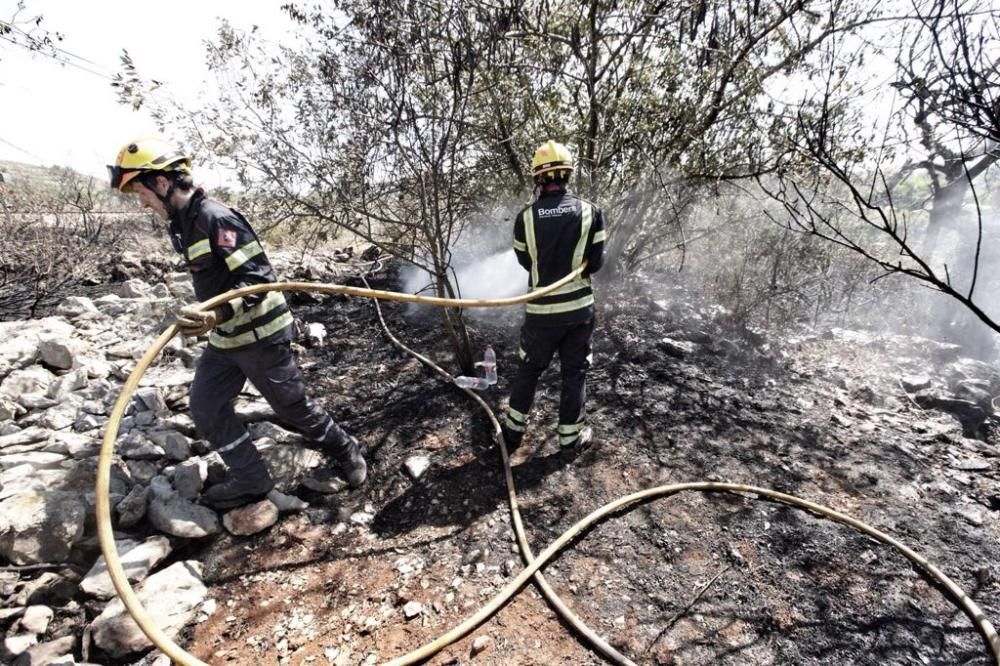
(553, 236)
(222, 252)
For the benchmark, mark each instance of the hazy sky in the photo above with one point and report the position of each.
(68, 114)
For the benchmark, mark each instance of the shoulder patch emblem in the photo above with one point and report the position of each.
(226, 238)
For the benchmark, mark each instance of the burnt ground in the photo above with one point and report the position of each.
(690, 579)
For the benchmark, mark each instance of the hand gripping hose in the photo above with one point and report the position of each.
(180, 656)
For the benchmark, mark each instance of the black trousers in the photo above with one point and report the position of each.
(271, 368)
(538, 345)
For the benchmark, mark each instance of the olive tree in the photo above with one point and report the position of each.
(890, 197)
(662, 100)
(364, 125)
(401, 122)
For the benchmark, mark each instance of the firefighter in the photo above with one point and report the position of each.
(552, 237)
(248, 338)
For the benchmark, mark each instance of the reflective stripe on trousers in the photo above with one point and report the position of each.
(540, 344)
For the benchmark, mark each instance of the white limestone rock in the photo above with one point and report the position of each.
(171, 597)
(137, 560)
(76, 305)
(33, 379)
(60, 352)
(172, 514)
(38, 526)
(36, 619)
(251, 519)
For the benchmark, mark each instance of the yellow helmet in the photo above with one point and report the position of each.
(551, 156)
(143, 155)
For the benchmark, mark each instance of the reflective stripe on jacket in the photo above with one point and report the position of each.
(222, 252)
(552, 237)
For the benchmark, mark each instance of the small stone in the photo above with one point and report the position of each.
(175, 446)
(676, 348)
(149, 399)
(315, 334)
(58, 652)
(36, 619)
(132, 508)
(60, 353)
(19, 643)
(369, 625)
(412, 609)
(251, 519)
(481, 643)
(914, 383)
(207, 610)
(189, 477)
(973, 465)
(329, 486)
(972, 516)
(76, 305)
(287, 503)
(361, 518)
(416, 466)
(88, 422)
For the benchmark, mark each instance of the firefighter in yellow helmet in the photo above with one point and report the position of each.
(552, 237)
(145, 156)
(248, 338)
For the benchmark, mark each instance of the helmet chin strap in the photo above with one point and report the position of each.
(171, 209)
(165, 198)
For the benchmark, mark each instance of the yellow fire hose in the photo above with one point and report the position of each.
(557, 603)
(179, 655)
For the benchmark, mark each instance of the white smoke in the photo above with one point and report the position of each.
(494, 276)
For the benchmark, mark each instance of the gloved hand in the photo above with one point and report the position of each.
(194, 322)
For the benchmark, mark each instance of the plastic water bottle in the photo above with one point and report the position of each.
(475, 383)
(490, 365)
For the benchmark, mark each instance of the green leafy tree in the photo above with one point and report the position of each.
(663, 100)
(402, 122)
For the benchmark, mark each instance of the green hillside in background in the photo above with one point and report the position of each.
(20, 173)
(55, 186)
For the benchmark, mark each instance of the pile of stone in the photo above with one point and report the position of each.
(59, 380)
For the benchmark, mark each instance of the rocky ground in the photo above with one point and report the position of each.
(898, 432)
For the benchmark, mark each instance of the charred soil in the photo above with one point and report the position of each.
(690, 579)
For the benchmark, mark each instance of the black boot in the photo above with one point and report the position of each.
(247, 478)
(346, 453)
(511, 438)
(352, 463)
